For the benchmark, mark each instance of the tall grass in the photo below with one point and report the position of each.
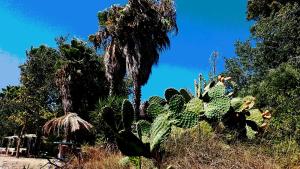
(99, 158)
(198, 150)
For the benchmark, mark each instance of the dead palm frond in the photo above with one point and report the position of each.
(68, 123)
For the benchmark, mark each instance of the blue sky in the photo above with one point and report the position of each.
(204, 27)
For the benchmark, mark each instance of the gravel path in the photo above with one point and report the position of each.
(20, 163)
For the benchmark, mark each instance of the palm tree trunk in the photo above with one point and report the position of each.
(137, 99)
(111, 88)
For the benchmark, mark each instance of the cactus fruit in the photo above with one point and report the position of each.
(195, 105)
(187, 120)
(242, 104)
(248, 103)
(169, 93)
(176, 103)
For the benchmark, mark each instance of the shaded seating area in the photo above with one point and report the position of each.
(8, 145)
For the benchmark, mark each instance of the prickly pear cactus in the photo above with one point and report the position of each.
(144, 130)
(127, 114)
(157, 100)
(217, 108)
(186, 95)
(217, 91)
(154, 110)
(176, 103)
(109, 118)
(131, 145)
(195, 105)
(256, 116)
(187, 120)
(160, 130)
(169, 93)
(236, 103)
(243, 104)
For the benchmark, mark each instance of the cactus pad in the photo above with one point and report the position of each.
(144, 129)
(130, 145)
(169, 93)
(187, 120)
(217, 91)
(160, 130)
(247, 104)
(217, 108)
(256, 116)
(154, 110)
(109, 118)
(195, 105)
(176, 104)
(127, 114)
(157, 100)
(186, 95)
(236, 103)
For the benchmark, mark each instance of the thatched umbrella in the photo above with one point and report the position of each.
(68, 124)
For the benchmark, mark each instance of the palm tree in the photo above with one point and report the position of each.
(70, 122)
(140, 31)
(114, 66)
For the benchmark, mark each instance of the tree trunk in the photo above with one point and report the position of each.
(137, 99)
(20, 141)
(111, 89)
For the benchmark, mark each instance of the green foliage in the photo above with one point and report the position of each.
(86, 75)
(102, 17)
(104, 132)
(267, 65)
(258, 9)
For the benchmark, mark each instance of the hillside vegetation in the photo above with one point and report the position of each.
(79, 92)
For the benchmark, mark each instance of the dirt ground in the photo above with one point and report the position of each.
(21, 163)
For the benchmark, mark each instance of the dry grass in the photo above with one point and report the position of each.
(191, 151)
(202, 149)
(99, 158)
